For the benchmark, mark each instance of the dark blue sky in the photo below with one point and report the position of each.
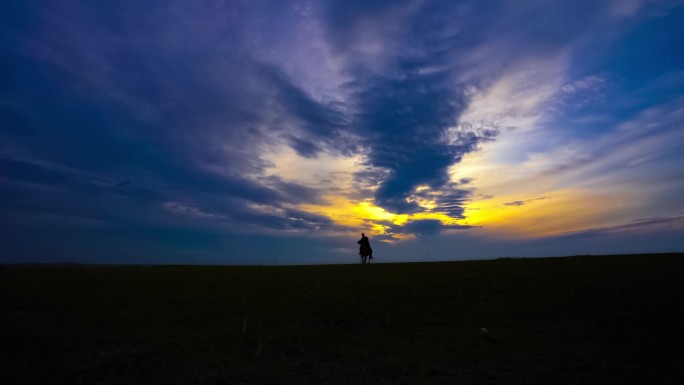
(262, 131)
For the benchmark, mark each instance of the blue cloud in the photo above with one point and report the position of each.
(421, 228)
(405, 110)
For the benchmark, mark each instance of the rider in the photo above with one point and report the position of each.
(365, 248)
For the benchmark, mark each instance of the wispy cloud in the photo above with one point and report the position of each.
(630, 164)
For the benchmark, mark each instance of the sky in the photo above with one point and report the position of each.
(275, 132)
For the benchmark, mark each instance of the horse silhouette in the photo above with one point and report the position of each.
(365, 250)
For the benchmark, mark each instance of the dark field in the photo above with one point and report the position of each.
(578, 320)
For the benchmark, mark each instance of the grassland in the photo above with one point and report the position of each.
(576, 320)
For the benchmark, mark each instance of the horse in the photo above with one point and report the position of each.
(366, 254)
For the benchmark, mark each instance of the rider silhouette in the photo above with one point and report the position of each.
(365, 248)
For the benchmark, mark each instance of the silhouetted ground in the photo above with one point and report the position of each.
(578, 320)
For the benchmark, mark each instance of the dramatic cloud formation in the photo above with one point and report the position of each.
(266, 131)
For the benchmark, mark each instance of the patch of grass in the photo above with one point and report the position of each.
(576, 320)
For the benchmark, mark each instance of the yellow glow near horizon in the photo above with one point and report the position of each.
(364, 215)
(559, 212)
(360, 215)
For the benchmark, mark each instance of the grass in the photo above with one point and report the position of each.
(576, 320)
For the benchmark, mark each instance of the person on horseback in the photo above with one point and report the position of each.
(365, 249)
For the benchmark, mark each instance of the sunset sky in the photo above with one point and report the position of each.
(259, 132)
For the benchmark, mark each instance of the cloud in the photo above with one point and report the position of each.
(420, 228)
(405, 101)
(184, 209)
(515, 203)
(639, 226)
(427, 227)
(164, 104)
(617, 172)
(587, 83)
(236, 117)
(523, 202)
